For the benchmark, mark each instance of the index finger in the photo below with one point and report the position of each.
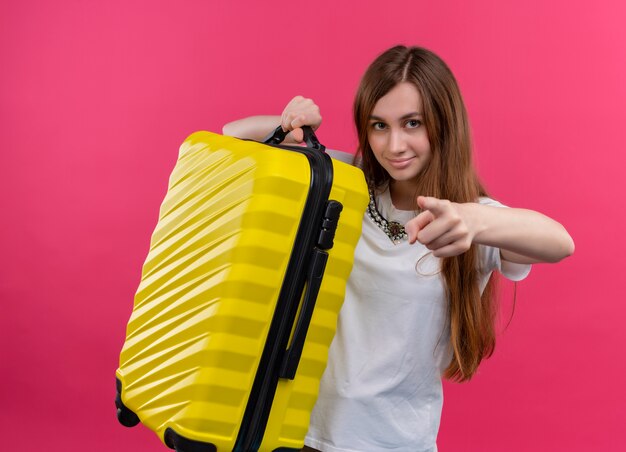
(437, 206)
(415, 225)
(299, 121)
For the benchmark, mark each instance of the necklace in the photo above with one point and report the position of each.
(394, 230)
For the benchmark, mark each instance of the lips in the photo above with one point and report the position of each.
(400, 163)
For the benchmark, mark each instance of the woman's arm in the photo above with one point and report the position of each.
(253, 127)
(299, 112)
(523, 236)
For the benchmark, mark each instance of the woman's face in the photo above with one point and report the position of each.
(397, 135)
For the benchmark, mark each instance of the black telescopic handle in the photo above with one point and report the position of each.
(311, 141)
(291, 359)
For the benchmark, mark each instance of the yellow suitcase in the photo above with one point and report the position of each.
(239, 294)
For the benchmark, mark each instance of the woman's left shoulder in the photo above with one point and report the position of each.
(487, 201)
(342, 156)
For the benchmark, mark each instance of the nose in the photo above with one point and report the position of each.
(397, 142)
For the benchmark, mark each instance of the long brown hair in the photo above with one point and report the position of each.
(449, 174)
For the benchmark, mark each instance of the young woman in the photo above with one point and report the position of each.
(418, 303)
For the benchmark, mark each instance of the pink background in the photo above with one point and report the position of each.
(96, 97)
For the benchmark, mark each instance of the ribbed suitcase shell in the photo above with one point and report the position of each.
(209, 287)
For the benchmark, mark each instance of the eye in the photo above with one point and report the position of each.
(378, 125)
(413, 123)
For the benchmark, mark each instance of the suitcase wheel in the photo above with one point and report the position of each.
(126, 417)
(181, 444)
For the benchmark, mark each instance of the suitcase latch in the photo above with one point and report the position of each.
(329, 224)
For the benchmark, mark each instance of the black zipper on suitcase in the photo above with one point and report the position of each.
(307, 257)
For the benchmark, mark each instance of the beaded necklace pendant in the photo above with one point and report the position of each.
(394, 230)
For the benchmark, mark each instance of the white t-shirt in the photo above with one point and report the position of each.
(381, 390)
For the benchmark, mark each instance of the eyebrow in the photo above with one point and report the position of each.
(407, 116)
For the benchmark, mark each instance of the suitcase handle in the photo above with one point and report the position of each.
(278, 135)
(314, 280)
